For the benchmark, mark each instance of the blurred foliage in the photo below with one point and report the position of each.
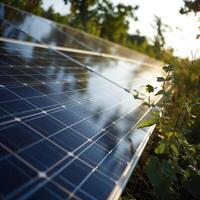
(190, 6)
(170, 167)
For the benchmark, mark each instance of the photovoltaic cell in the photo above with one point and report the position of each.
(66, 132)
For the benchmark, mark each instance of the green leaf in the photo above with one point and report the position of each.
(160, 79)
(152, 170)
(168, 68)
(186, 131)
(168, 169)
(149, 88)
(192, 185)
(160, 149)
(162, 191)
(154, 119)
(174, 149)
(160, 92)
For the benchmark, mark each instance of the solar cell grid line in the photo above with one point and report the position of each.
(76, 61)
(103, 172)
(40, 174)
(47, 113)
(54, 109)
(79, 186)
(42, 111)
(95, 113)
(86, 149)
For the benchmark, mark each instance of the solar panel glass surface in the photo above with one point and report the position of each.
(65, 131)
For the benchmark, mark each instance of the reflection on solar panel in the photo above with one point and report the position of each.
(67, 131)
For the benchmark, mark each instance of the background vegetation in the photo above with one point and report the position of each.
(170, 165)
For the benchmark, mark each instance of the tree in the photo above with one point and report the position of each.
(159, 39)
(101, 18)
(33, 6)
(190, 6)
(81, 12)
(52, 15)
(113, 20)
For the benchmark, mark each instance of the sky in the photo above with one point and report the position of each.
(184, 28)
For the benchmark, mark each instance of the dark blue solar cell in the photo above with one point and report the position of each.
(11, 70)
(67, 116)
(60, 166)
(7, 80)
(87, 129)
(94, 155)
(18, 136)
(6, 95)
(81, 109)
(2, 113)
(13, 175)
(62, 98)
(17, 106)
(42, 78)
(5, 117)
(46, 125)
(73, 174)
(68, 139)
(42, 101)
(83, 195)
(43, 155)
(3, 153)
(27, 70)
(97, 180)
(59, 87)
(3, 62)
(113, 167)
(118, 129)
(44, 89)
(25, 91)
(26, 79)
(107, 142)
(125, 149)
(51, 192)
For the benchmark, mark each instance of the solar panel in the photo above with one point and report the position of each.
(55, 34)
(67, 131)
